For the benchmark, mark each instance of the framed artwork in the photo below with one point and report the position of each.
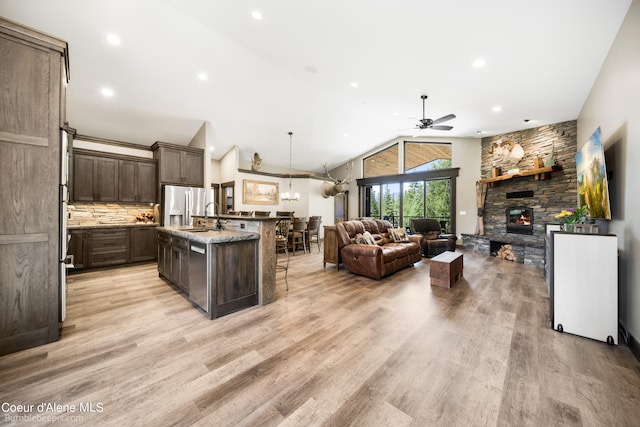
(260, 192)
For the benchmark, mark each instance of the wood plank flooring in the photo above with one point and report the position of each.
(335, 350)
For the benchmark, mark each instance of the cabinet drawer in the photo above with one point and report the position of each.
(108, 257)
(108, 242)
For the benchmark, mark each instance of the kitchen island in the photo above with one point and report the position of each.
(217, 269)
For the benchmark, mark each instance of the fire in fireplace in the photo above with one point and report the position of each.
(520, 220)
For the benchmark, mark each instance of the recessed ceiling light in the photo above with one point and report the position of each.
(211, 148)
(202, 76)
(346, 134)
(496, 109)
(113, 39)
(354, 84)
(108, 92)
(256, 15)
(479, 63)
(396, 114)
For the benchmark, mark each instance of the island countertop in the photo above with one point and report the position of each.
(210, 235)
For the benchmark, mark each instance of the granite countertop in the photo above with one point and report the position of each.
(209, 236)
(123, 225)
(244, 218)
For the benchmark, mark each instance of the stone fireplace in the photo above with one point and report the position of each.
(511, 204)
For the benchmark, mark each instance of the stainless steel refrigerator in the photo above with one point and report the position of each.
(181, 204)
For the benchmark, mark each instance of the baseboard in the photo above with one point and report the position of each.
(634, 346)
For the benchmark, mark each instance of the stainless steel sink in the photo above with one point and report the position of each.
(200, 230)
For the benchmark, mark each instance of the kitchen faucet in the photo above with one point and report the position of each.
(218, 224)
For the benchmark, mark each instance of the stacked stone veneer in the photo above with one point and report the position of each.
(550, 196)
(105, 213)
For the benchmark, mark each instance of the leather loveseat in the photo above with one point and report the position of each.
(380, 259)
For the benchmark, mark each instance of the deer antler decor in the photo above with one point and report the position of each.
(338, 186)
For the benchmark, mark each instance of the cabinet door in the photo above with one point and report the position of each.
(106, 179)
(146, 182)
(194, 168)
(183, 282)
(171, 166)
(127, 180)
(78, 248)
(142, 244)
(83, 178)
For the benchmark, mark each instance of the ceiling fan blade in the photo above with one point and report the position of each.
(444, 119)
(440, 127)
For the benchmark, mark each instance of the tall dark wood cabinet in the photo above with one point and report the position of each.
(179, 165)
(33, 76)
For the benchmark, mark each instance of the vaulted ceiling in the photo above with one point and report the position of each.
(343, 76)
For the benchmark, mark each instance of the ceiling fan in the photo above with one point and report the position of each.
(425, 123)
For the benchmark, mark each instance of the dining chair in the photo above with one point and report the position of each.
(262, 213)
(313, 231)
(285, 213)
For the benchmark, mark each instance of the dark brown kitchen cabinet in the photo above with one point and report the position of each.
(95, 178)
(107, 177)
(179, 165)
(77, 248)
(93, 247)
(137, 181)
(142, 244)
(173, 260)
(107, 247)
(33, 74)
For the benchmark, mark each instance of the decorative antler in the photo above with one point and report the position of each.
(338, 185)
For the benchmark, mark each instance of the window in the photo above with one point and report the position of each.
(382, 163)
(425, 156)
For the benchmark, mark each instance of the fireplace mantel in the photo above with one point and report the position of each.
(540, 174)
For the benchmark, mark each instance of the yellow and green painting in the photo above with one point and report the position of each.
(593, 189)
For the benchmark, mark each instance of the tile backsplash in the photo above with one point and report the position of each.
(105, 213)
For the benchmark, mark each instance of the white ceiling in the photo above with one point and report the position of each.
(541, 60)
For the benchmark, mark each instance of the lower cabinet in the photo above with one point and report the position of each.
(103, 247)
(173, 260)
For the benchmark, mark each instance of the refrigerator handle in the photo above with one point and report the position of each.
(187, 208)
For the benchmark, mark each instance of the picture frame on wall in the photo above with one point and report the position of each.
(260, 192)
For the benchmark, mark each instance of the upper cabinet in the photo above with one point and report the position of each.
(95, 178)
(105, 177)
(137, 181)
(179, 165)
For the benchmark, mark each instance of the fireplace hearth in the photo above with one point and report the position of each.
(519, 220)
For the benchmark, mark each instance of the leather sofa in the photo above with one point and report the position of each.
(432, 241)
(381, 259)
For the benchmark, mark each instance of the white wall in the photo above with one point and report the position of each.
(614, 105)
(465, 154)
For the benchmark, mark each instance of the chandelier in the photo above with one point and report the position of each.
(290, 196)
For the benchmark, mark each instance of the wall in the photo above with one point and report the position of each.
(550, 196)
(614, 105)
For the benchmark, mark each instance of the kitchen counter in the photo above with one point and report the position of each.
(209, 236)
(123, 225)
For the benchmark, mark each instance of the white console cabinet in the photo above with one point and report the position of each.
(584, 285)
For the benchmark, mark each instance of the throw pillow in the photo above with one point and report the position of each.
(398, 235)
(368, 238)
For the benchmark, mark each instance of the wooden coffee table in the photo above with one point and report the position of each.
(446, 269)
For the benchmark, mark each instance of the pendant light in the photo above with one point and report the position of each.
(289, 196)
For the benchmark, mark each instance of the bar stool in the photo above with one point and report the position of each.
(298, 234)
(282, 241)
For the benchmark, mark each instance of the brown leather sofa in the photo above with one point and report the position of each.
(381, 259)
(432, 240)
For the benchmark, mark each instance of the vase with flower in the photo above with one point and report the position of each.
(570, 217)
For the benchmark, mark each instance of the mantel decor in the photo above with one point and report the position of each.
(259, 192)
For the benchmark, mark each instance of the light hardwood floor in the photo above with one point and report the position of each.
(336, 350)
